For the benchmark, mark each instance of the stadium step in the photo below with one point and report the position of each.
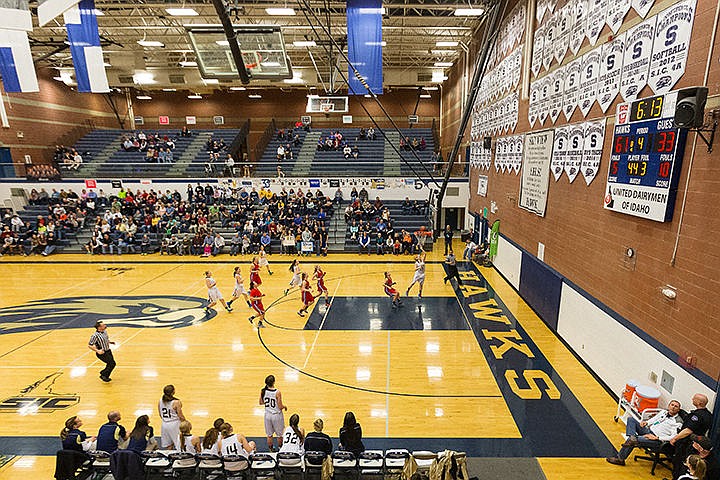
(306, 155)
(180, 168)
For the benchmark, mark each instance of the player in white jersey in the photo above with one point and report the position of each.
(296, 279)
(263, 260)
(419, 276)
(214, 295)
(271, 398)
(293, 436)
(231, 443)
(171, 414)
(239, 288)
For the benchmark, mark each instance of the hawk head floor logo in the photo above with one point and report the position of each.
(30, 402)
(167, 311)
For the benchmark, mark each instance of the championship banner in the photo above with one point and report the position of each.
(537, 52)
(577, 34)
(610, 69)
(517, 164)
(542, 111)
(82, 30)
(557, 164)
(589, 83)
(537, 153)
(575, 150)
(617, 11)
(642, 7)
(549, 42)
(16, 62)
(597, 12)
(364, 29)
(556, 94)
(571, 92)
(670, 46)
(593, 148)
(562, 36)
(533, 102)
(636, 60)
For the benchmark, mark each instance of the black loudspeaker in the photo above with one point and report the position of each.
(487, 143)
(690, 107)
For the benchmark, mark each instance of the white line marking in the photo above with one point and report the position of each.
(387, 388)
(327, 310)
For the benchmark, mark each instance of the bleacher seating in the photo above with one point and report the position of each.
(369, 163)
(267, 165)
(424, 155)
(401, 221)
(196, 167)
(90, 146)
(122, 163)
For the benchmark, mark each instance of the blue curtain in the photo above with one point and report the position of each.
(364, 26)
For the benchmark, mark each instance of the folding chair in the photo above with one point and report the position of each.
(235, 466)
(156, 463)
(290, 465)
(370, 463)
(661, 455)
(209, 464)
(424, 460)
(314, 463)
(183, 464)
(262, 465)
(345, 465)
(395, 460)
(99, 464)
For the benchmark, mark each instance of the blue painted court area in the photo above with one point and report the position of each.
(377, 313)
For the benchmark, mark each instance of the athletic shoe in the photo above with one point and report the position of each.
(229, 304)
(250, 320)
(300, 312)
(270, 273)
(272, 448)
(261, 325)
(286, 291)
(104, 378)
(419, 296)
(407, 292)
(229, 309)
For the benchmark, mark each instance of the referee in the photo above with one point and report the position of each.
(100, 344)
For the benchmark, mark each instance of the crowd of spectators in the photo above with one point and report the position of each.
(148, 221)
(157, 148)
(42, 172)
(413, 144)
(67, 212)
(67, 158)
(371, 226)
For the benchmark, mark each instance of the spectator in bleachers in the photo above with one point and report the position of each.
(185, 132)
(347, 151)
(351, 435)
(229, 166)
(371, 133)
(288, 152)
(280, 153)
(364, 243)
(218, 244)
(362, 134)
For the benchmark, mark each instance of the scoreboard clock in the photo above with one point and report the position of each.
(646, 158)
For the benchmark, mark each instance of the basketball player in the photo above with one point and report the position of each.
(296, 279)
(239, 288)
(319, 275)
(214, 295)
(231, 443)
(390, 291)
(271, 398)
(263, 260)
(419, 276)
(257, 305)
(170, 409)
(305, 294)
(293, 436)
(255, 272)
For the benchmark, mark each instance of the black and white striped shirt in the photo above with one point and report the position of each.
(100, 340)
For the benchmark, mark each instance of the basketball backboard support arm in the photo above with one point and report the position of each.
(232, 40)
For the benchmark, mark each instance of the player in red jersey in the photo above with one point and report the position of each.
(390, 291)
(255, 272)
(319, 275)
(257, 305)
(305, 294)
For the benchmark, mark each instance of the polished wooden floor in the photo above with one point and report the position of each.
(418, 385)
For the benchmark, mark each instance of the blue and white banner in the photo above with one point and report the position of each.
(82, 29)
(364, 26)
(16, 64)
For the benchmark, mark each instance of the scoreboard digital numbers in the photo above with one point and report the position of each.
(645, 158)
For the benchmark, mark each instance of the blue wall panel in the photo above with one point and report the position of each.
(540, 287)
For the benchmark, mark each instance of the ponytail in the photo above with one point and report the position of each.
(69, 425)
(294, 421)
(226, 430)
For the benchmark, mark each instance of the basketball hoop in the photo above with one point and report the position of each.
(327, 107)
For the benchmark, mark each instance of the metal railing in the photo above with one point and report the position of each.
(263, 142)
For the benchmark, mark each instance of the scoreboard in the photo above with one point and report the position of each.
(646, 158)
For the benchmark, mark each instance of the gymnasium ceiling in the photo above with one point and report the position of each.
(411, 29)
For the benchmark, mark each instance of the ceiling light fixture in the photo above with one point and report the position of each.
(143, 78)
(188, 63)
(98, 13)
(254, 95)
(182, 12)
(238, 89)
(143, 97)
(430, 88)
(270, 64)
(280, 11)
(195, 96)
(468, 12)
(442, 52)
(150, 43)
(169, 89)
(443, 64)
(223, 43)
(446, 43)
(425, 95)
(211, 81)
(305, 43)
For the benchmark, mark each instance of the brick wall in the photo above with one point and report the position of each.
(586, 243)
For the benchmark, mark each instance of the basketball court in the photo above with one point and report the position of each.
(470, 368)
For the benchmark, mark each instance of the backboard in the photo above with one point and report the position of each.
(262, 47)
